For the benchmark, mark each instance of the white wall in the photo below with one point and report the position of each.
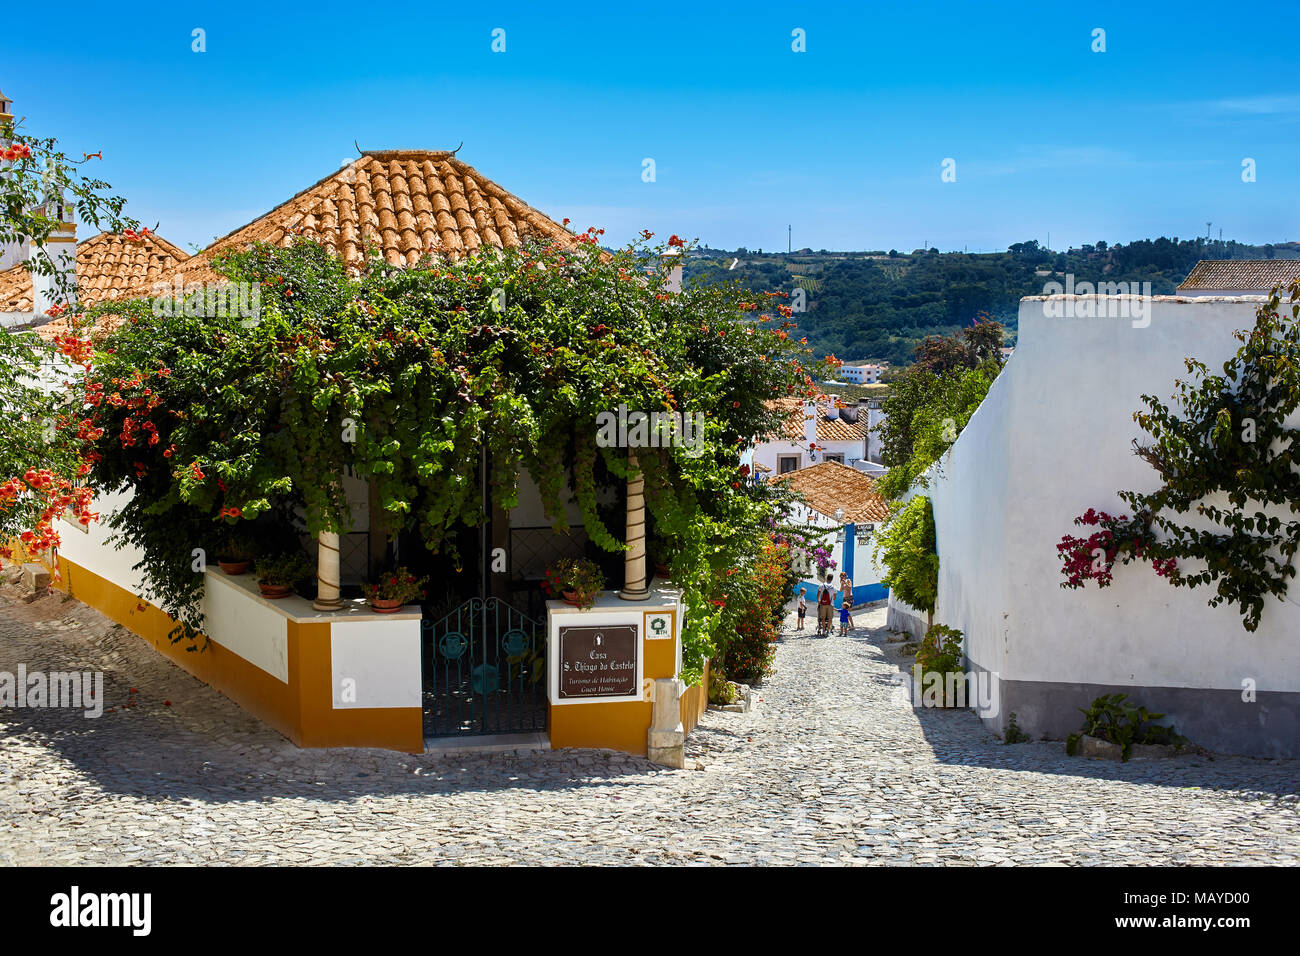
(1052, 439)
(769, 452)
(243, 624)
(531, 513)
(89, 547)
(376, 663)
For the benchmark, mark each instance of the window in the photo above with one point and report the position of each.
(786, 464)
(836, 456)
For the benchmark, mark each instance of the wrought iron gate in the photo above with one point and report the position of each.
(484, 671)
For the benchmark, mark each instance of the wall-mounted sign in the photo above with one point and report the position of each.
(659, 626)
(598, 661)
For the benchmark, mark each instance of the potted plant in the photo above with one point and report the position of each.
(277, 575)
(236, 556)
(393, 590)
(576, 580)
(662, 562)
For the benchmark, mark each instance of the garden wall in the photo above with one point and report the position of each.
(323, 679)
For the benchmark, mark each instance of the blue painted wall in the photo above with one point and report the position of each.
(862, 593)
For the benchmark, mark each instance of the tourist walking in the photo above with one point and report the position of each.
(803, 607)
(825, 603)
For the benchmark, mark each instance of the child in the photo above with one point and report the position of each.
(844, 618)
(803, 607)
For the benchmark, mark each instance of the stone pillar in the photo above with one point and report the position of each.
(666, 740)
(634, 577)
(327, 572)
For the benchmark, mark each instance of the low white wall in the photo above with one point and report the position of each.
(89, 548)
(243, 623)
(1052, 439)
(376, 663)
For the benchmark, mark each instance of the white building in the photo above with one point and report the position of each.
(868, 374)
(105, 265)
(847, 505)
(1052, 439)
(826, 429)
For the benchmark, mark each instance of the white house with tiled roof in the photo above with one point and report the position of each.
(405, 204)
(283, 660)
(846, 503)
(107, 266)
(814, 431)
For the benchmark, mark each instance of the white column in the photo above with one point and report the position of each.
(327, 572)
(634, 579)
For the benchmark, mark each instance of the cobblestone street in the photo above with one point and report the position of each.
(834, 767)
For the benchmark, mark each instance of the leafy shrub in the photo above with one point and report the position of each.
(1013, 734)
(1110, 718)
(940, 650)
(906, 547)
(721, 690)
(434, 372)
(286, 570)
(759, 599)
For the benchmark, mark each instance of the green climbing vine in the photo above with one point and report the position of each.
(409, 377)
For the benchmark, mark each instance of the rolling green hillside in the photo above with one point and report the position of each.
(879, 305)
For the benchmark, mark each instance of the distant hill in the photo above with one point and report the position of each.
(879, 305)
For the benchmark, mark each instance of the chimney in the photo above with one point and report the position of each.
(61, 249)
(831, 411)
(14, 252)
(6, 117)
(810, 422)
(673, 263)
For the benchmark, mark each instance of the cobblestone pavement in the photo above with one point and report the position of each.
(833, 767)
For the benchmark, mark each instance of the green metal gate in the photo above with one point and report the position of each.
(484, 671)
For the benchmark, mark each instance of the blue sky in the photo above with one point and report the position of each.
(843, 142)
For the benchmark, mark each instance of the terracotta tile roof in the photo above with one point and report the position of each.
(828, 429)
(107, 266)
(830, 485)
(407, 203)
(1241, 275)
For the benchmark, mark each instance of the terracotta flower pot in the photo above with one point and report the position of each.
(662, 571)
(571, 597)
(273, 592)
(234, 568)
(385, 605)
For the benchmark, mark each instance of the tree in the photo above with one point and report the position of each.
(906, 547)
(42, 448)
(409, 377)
(931, 402)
